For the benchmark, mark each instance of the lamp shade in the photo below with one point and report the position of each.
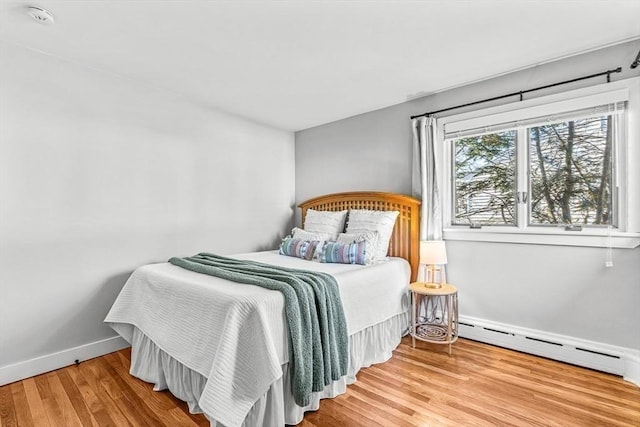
(433, 252)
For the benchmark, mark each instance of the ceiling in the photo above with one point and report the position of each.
(298, 64)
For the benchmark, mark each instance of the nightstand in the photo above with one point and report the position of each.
(434, 314)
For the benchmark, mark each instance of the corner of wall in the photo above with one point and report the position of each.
(632, 367)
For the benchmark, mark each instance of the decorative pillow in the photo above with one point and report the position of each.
(370, 238)
(352, 253)
(299, 248)
(362, 221)
(299, 233)
(331, 223)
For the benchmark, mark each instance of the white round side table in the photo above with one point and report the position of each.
(434, 314)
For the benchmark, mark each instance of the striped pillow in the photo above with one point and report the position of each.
(352, 253)
(370, 238)
(299, 248)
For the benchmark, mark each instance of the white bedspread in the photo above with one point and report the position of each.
(236, 335)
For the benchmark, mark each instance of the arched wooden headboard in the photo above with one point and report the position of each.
(405, 240)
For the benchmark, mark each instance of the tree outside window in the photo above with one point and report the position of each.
(571, 172)
(485, 179)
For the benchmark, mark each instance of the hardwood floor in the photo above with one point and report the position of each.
(479, 385)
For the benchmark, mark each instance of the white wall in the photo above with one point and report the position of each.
(98, 175)
(564, 290)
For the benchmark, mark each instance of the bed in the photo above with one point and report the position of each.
(223, 349)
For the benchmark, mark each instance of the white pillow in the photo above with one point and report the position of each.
(331, 223)
(370, 238)
(299, 233)
(362, 221)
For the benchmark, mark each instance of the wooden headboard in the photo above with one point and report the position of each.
(405, 240)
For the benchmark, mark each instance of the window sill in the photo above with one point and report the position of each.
(587, 238)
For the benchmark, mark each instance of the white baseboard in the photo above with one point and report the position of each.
(603, 357)
(51, 362)
(590, 354)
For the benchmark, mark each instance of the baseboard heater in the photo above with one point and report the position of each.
(565, 349)
(544, 341)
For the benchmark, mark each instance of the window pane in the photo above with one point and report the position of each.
(485, 171)
(571, 172)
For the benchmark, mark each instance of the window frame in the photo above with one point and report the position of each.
(627, 233)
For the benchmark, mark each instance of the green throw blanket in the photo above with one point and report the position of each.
(317, 326)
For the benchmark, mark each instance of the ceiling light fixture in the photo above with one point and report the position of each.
(41, 15)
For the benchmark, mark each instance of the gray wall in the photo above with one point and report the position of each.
(99, 175)
(564, 290)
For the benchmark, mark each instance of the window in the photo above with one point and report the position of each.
(485, 179)
(549, 170)
(571, 171)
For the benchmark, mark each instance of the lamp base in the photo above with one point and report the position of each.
(432, 285)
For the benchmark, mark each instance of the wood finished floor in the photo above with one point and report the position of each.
(479, 385)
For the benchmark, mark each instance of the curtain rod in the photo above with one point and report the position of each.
(522, 92)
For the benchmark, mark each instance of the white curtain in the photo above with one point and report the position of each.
(425, 177)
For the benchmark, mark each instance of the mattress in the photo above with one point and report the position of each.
(234, 338)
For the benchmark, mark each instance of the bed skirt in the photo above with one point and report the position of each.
(277, 406)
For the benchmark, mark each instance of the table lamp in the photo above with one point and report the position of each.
(433, 255)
